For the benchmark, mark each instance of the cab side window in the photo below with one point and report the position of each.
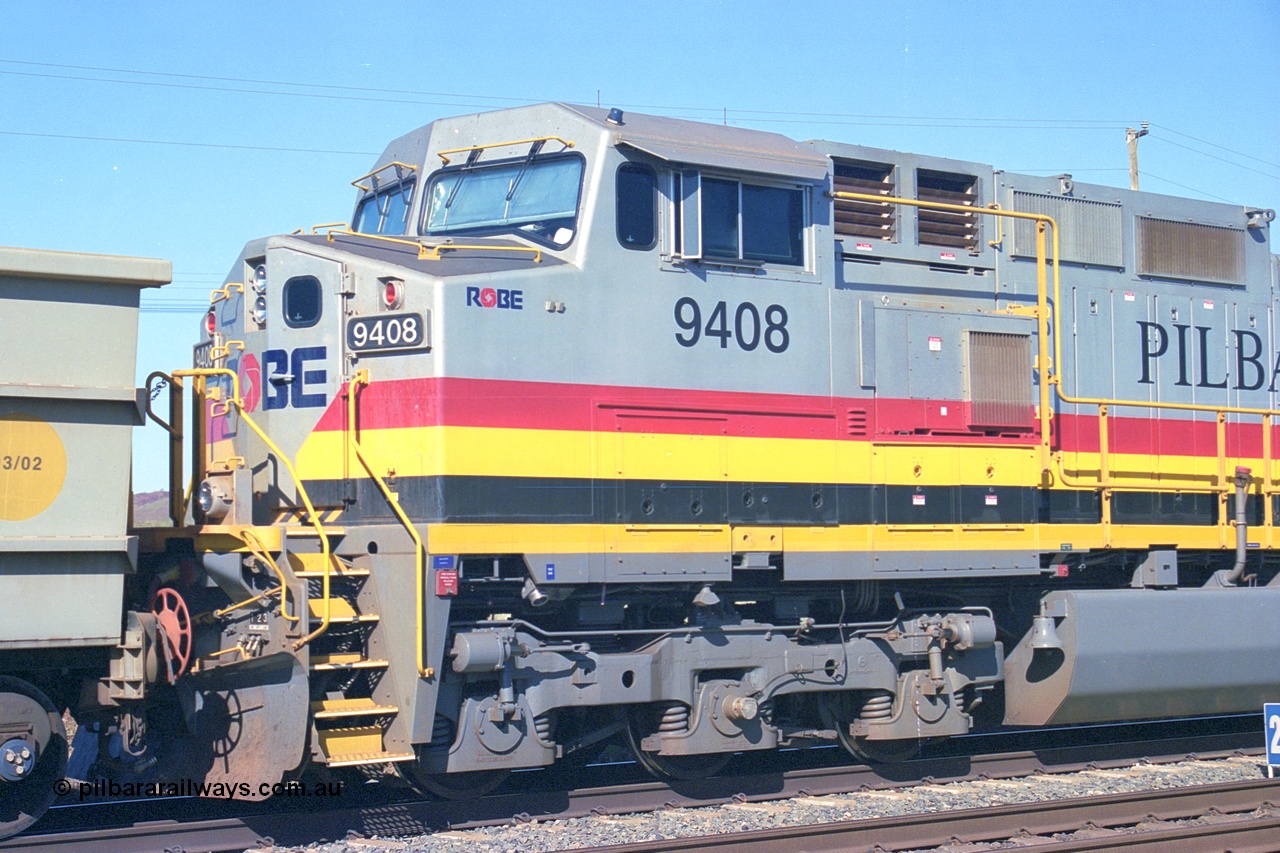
(302, 301)
(386, 211)
(637, 199)
(719, 219)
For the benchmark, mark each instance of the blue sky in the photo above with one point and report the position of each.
(182, 130)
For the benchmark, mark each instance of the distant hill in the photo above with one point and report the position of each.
(151, 509)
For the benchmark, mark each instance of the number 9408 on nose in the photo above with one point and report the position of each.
(387, 331)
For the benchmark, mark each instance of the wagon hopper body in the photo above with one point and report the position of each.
(68, 405)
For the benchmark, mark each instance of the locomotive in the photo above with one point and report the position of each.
(598, 427)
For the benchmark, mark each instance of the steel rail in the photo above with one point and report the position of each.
(541, 802)
(1025, 822)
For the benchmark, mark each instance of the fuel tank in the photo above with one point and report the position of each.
(1142, 653)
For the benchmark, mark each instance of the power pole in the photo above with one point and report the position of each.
(1132, 136)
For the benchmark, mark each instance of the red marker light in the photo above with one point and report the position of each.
(392, 293)
(210, 322)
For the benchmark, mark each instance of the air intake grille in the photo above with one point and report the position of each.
(1000, 381)
(945, 227)
(1090, 232)
(1189, 250)
(856, 422)
(865, 219)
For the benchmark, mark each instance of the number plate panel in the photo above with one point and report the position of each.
(202, 354)
(388, 332)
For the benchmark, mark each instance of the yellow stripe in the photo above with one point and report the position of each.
(576, 538)
(612, 538)
(483, 451)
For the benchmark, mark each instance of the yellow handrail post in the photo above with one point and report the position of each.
(361, 377)
(1268, 523)
(1226, 519)
(1266, 454)
(1106, 518)
(1104, 448)
(1042, 354)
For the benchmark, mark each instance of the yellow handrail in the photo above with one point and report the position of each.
(1050, 377)
(260, 551)
(231, 608)
(315, 229)
(396, 164)
(218, 353)
(224, 292)
(353, 439)
(444, 158)
(431, 251)
(312, 515)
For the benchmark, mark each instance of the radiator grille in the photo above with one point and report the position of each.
(868, 220)
(1090, 232)
(1171, 249)
(1000, 381)
(946, 227)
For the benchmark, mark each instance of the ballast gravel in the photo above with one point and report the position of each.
(577, 833)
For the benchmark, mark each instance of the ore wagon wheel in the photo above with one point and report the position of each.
(31, 761)
(647, 720)
(175, 627)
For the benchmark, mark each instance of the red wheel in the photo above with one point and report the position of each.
(175, 631)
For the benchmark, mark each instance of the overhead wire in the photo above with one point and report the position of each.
(1214, 157)
(1215, 145)
(1147, 174)
(241, 91)
(738, 114)
(266, 82)
(82, 137)
(459, 99)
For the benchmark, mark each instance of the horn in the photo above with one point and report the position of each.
(1043, 634)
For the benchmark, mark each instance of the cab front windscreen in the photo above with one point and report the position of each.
(533, 198)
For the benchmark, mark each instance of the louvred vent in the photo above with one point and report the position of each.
(948, 228)
(867, 220)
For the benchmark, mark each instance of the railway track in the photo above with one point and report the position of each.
(1242, 817)
(169, 825)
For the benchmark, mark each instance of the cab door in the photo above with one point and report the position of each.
(300, 369)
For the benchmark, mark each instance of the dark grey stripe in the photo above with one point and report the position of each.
(551, 500)
(563, 500)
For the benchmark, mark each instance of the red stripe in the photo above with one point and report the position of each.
(453, 401)
(542, 405)
(1162, 436)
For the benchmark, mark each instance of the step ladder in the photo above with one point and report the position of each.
(349, 723)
